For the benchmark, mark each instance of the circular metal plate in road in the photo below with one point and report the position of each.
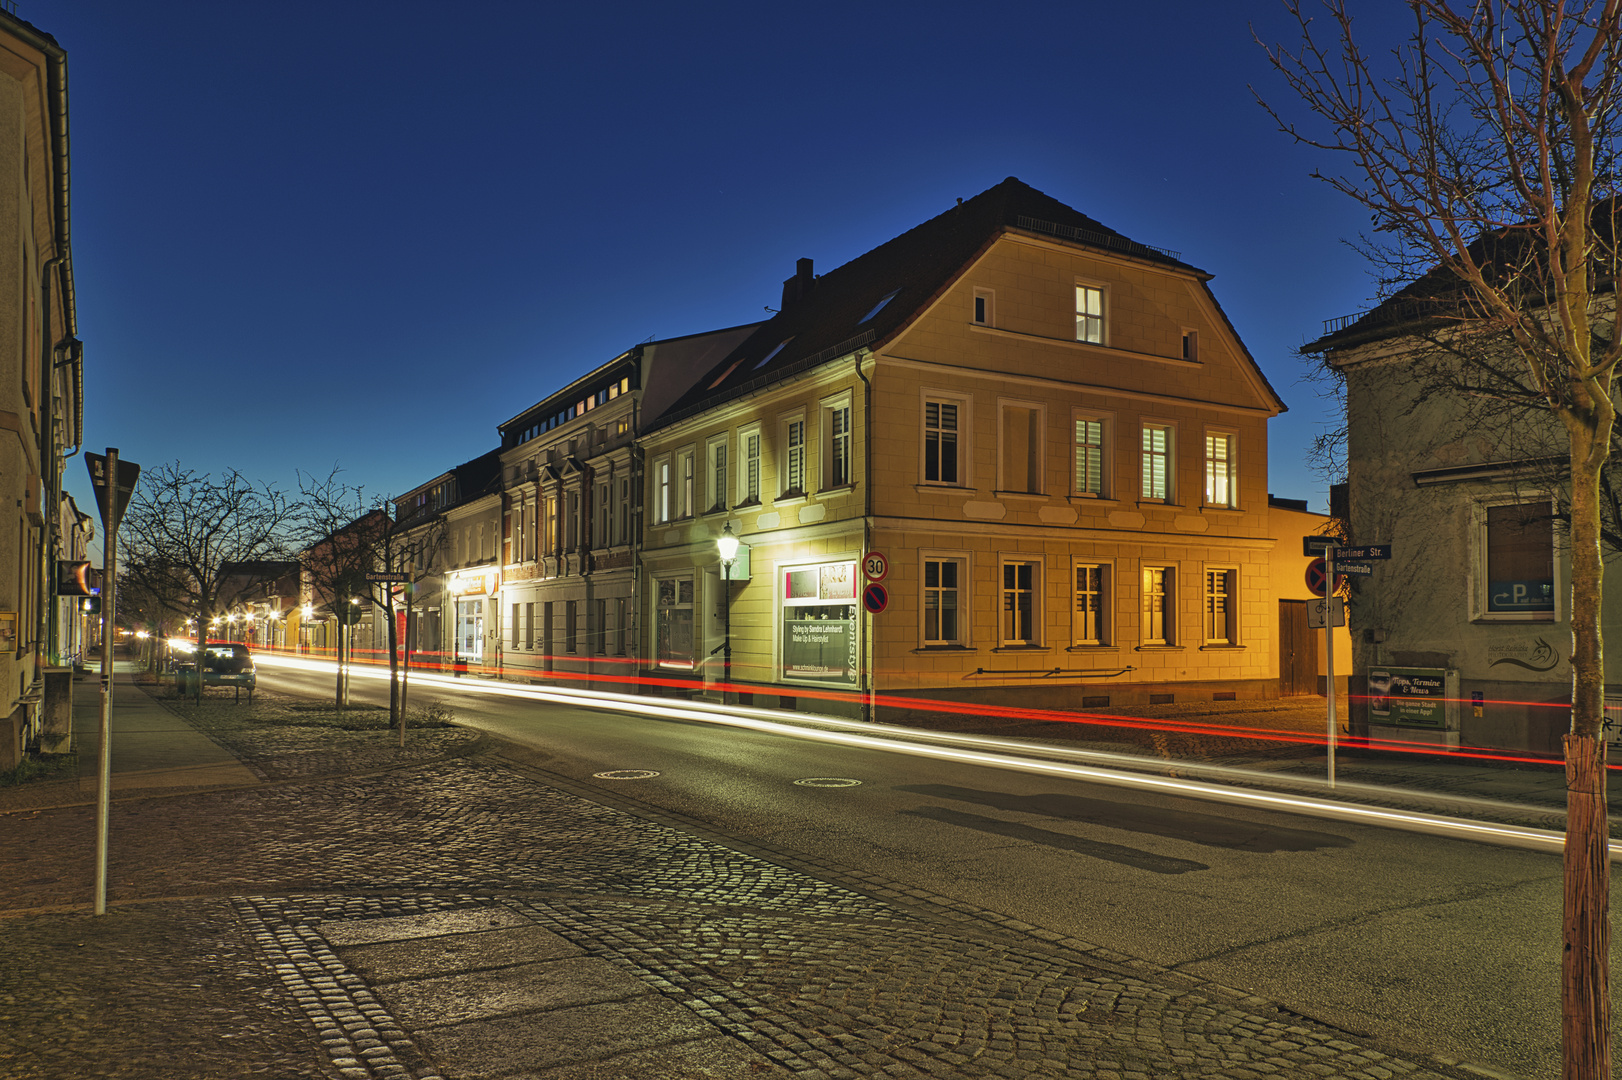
(827, 781)
(626, 774)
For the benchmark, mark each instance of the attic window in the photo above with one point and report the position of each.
(768, 357)
(878, 307)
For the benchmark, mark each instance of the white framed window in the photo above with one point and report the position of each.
(1159, 605)
(985, 309)
(1090, 447)
(945, 586)
(602, 529)
(686, 480)
(793, 459)
(673, 621)
(1191, 344)
(1221, 469)
(571, 520)
(662, 492)
(836, 444)
(715, 456)
(1090, 314)
(749, 466)
(945, 442)
(1093, 608)
(554, 537)
(1159, 462)
(1020, 427)
(1221, 605)
(1516, 563)
(1021, 602)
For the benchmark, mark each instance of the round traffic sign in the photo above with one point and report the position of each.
(875, 566)
(875, 598)
(1317, 570)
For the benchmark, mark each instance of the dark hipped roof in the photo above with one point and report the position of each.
(831, 320)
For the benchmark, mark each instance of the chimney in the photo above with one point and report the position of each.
(798, 287)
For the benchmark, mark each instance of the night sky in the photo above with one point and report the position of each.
(361, 235)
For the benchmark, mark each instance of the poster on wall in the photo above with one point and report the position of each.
(1416, 697)
(819, 624)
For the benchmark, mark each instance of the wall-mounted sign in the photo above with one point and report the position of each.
(475, 582)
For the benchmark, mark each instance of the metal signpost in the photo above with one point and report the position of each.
(114, 482)
(1331, 574)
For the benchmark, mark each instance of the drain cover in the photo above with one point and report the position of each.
(626, 774)
(827, 781)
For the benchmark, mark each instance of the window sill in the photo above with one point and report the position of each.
(837, 489)
(944, 649)
(747, 504)
(1077, 499)
(1027, 496)
(1093, 648)
(1512, 619)
(927, 488)
(1160, 504)
(1208, 508)
(1219, 647)
(1022, 649)
(1157, 648)
(789, 497)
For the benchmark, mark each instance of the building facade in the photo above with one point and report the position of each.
(41, 403)
(1050, 433)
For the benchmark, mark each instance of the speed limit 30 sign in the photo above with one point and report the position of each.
(875, 567)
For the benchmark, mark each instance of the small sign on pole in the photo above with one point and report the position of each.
(1317, 610)
(875, 598)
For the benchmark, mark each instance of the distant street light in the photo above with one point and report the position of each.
(727, 545)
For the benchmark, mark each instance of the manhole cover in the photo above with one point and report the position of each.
(827, 781)
(626, 774)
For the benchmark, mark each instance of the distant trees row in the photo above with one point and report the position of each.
(194, 546)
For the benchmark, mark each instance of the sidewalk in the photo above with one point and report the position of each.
(450, 910)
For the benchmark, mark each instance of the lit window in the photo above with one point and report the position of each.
(1090, 314)
(1221, 470)
(750, 478)
(1090, 456)
(661, 512)
(1159, 608)
(941, 601)
(1220, 624)
(1092, 605)
(794, 457)
(674, 622)
(1019, 603)
(1157, 451)
(718, 475)
(685, 477)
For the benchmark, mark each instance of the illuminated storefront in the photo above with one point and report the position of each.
(474, 591)
(819, 624)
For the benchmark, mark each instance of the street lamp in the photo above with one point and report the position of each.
(727, 545)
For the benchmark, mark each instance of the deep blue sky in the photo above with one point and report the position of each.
(362, 235)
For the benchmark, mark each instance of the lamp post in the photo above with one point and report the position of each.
(727, 545)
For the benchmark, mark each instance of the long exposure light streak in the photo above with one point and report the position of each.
(1117, 770)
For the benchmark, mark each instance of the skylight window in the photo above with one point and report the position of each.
(768, 357)
(878, 307)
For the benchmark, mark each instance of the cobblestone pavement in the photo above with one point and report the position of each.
(459, 916)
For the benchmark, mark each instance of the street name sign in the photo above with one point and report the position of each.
(1314, 545)
(1357, 569)
(385, 575)
(1367, 551)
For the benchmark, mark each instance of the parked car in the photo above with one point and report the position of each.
(225, 663)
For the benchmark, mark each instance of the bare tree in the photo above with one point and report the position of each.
(1482, 148)
(186, 537)
(355, 550)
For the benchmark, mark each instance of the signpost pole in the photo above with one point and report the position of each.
(109, 605)
(1329, 653)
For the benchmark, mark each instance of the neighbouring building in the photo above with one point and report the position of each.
(41, 402)
(1042, 440)
(572, 511)
(453, 524)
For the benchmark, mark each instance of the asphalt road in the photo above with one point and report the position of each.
(1429, 944)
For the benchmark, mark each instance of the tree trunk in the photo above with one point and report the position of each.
(1586, 926)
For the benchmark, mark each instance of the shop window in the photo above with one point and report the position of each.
(819, 624)
(674, 622)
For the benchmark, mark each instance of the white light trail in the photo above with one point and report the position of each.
(1125, 770)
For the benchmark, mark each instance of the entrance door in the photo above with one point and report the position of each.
(469, 629)
(1297, 651)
